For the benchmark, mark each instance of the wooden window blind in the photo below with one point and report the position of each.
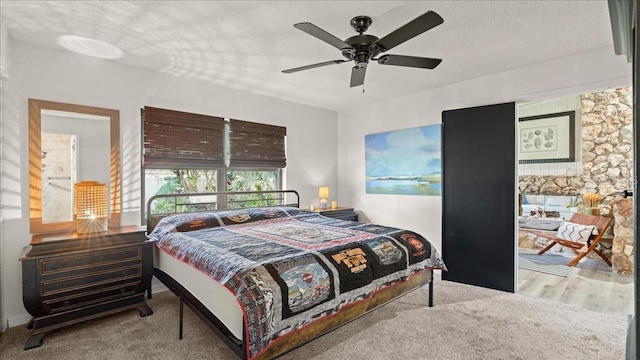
(179, 140)
(257, 145)
(175, 139)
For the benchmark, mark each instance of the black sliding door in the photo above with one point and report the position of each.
(478, 196)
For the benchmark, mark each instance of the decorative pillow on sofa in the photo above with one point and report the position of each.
(575, 232)
(562, 201)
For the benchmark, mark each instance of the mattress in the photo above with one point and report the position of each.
(214, 296)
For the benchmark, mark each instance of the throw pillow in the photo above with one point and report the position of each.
(524, 200)
(558, 200)
(575, 232)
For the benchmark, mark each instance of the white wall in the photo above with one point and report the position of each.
(594, 70)
(4, 51)
(57, 75)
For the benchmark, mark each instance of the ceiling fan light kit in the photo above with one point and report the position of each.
(364, 47)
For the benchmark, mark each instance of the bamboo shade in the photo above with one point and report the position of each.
(175, 139)
(257, 145)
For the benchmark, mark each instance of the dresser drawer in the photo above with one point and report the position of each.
(90, 260)
(346, 216)
(342, 214)
(64, 302)
(63, 284)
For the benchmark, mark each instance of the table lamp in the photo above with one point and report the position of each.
(90, 206)
(323, 194)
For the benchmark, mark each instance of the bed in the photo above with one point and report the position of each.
(268, 277)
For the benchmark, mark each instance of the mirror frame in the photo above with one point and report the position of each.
(35, 163)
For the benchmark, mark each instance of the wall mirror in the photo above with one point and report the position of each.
(70, 143)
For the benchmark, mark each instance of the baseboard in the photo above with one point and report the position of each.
(18, 320)
(158, 287)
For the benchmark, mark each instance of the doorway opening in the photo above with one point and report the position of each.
(581, 168)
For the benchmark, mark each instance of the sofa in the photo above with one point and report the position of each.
(548, 204)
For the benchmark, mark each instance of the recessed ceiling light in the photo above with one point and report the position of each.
(89, 47)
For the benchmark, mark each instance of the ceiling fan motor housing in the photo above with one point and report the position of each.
(361, 50)
(361, 23)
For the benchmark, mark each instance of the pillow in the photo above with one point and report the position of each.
(539, 224)
(575, 232)
(558, 201)
(524, 200)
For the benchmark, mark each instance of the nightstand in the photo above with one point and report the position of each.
(68, 278)
(343, 213)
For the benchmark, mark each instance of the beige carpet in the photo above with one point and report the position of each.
(466, 323)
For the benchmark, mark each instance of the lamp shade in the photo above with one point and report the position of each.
(323, 192)
(90, 206)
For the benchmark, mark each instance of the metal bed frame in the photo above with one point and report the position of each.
(181, 203)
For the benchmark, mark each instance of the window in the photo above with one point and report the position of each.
(238, 180)
(171, 181)
(191, 153)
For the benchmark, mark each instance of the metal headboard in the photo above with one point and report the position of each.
(163, 205)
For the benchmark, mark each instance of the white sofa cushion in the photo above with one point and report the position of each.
(549, 203)
(558, 201)
(537, 200)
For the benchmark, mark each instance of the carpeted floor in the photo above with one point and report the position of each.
(467, 323)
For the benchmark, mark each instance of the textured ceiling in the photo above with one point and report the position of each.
(246, 44)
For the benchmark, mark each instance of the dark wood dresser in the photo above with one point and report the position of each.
(69, 278)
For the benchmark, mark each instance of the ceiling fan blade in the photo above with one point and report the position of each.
(317, 32)
(357, 75)
(410, 61)
(288, 71)
(411, 29)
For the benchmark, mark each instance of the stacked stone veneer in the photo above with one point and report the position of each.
(607, 157)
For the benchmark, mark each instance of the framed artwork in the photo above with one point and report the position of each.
(548, 138)
(404, 162)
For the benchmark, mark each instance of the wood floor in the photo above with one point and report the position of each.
(591, 285)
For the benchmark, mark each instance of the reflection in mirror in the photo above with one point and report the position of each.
(58, 175)
(74, 149)
(68, 144)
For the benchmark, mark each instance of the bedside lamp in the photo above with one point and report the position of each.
(323, 194)
(90, 206)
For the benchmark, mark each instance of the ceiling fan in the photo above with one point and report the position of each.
(363, 47)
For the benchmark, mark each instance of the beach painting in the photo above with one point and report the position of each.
(404, 162)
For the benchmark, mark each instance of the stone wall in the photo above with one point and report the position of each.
(622, 249)
(607, 158)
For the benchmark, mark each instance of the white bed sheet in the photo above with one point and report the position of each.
(215, 297)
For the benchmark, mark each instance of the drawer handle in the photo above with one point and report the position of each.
(63, 264)
(122, 291)
(66, 303)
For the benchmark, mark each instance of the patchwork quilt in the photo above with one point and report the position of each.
(288, 267)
